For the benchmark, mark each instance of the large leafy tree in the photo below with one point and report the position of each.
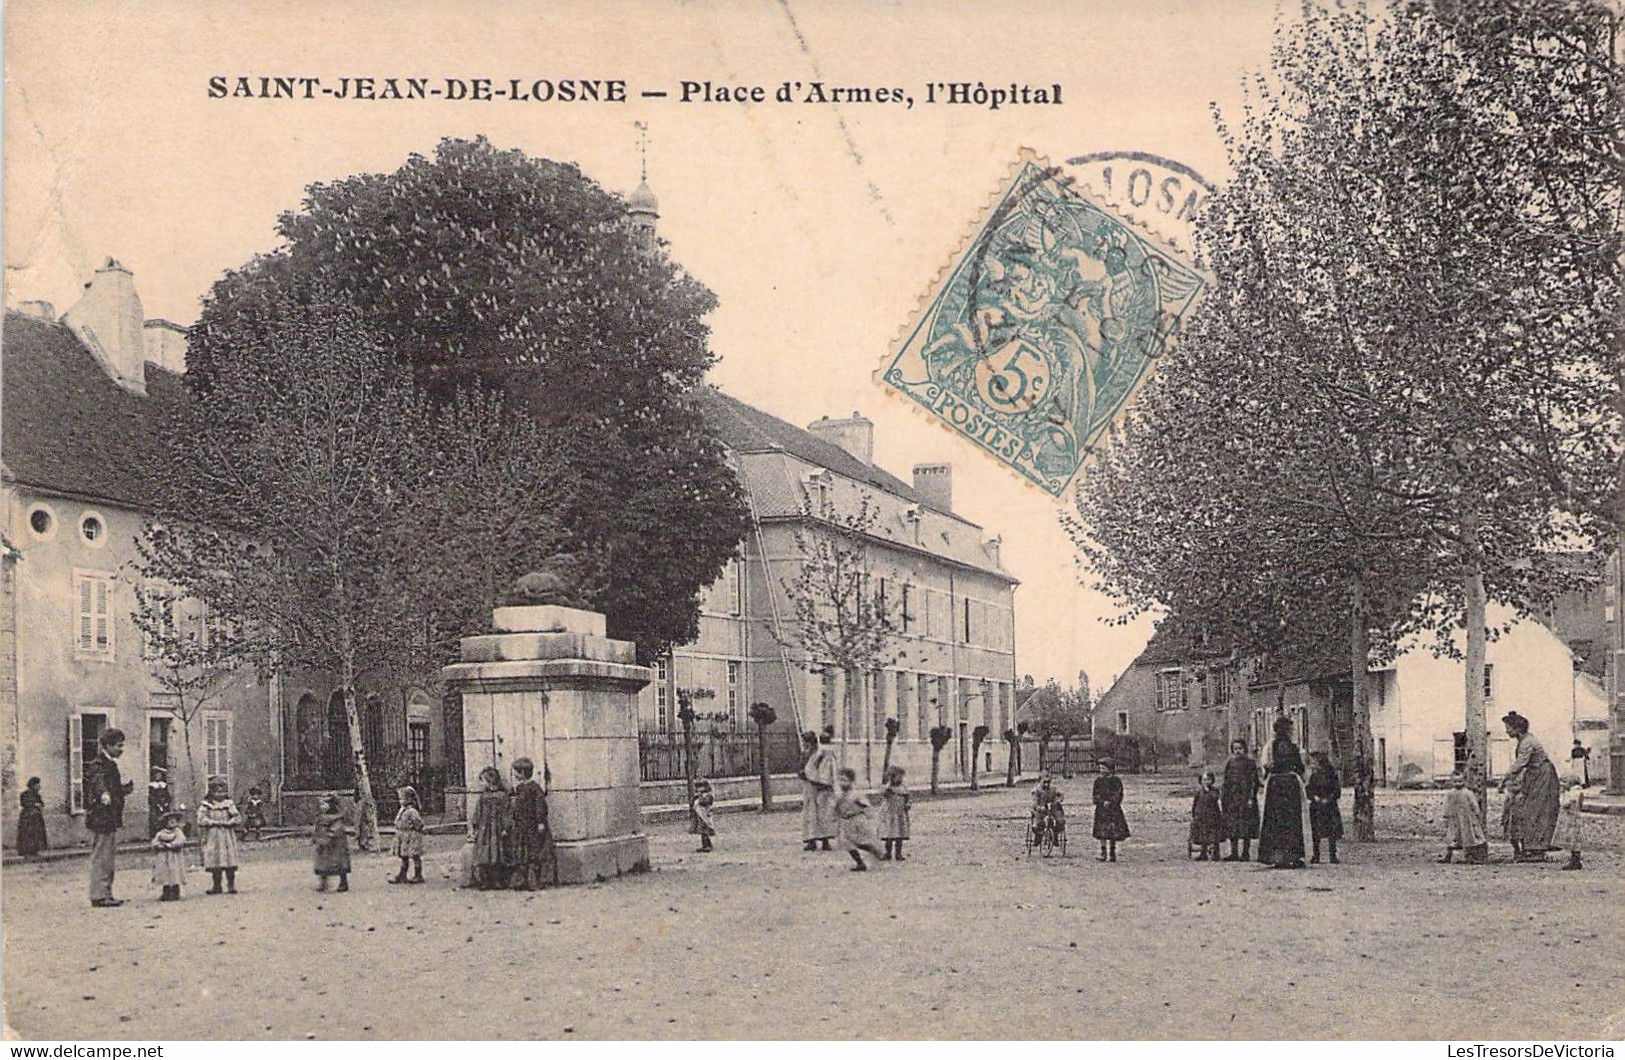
(1347, 433)
(487, 268)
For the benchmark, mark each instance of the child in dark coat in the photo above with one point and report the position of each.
(332, 838)
(1325, 790)
(535, 857)
(1110, 824)
(1207, 820)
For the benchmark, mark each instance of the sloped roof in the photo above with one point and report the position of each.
(747, 429)
(68, 427)
(1176, 642)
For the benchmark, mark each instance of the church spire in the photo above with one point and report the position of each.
(642, 208)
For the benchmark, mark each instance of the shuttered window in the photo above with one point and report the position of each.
(93, 632)
(217, 744)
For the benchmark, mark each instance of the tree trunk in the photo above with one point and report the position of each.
(188, 822)
(936, 766)
(1010, 763)
(767, 785)
(687, 718)
(1478, 760)
(885, 761)
(1365, 803)
(366, 832)
(975, 779)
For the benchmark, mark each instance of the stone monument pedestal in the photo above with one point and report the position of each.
(551, 686)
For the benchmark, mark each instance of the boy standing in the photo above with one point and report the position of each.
(105, 791)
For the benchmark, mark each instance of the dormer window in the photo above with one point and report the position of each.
(817, 486)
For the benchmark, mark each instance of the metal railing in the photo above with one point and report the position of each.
(662, 756)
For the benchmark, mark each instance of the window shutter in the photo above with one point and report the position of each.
(86, 620)
(76, 763)
(104, 634)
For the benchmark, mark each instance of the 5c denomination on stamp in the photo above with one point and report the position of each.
(1041, 329)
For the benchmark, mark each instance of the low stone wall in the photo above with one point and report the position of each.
(675, 792)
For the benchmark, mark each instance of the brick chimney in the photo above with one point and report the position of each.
(935, 482)
(856, 435)
(108, 320)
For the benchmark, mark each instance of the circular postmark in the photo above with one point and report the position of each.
(1159, 193)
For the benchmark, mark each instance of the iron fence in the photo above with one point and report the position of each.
(662, 755)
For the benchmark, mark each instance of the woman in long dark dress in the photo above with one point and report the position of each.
(1280, 841)
(1532, 794)
(1110, 824)
(31, 820)
(1240, 801)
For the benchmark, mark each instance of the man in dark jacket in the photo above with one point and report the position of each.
(105, 791)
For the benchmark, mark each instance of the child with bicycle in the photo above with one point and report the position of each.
(1047, 807)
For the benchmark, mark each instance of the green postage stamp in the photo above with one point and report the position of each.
(1040, 331)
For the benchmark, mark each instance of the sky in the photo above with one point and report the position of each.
(820, 227)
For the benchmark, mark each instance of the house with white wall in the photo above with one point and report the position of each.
(1417, 703)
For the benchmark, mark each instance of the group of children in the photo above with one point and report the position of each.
(510, 844)
(854, 830)
(218, 821)
(1464, 830)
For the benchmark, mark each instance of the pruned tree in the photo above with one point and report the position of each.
(841, 618)
(978, 736)
(764, 715)
(940, 736)
(1012, 740)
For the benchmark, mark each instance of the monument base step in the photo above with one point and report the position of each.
(591, 860)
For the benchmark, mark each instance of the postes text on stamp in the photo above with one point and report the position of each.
(1038, 334)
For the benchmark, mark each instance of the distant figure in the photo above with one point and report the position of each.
(1463, 830)
(1571, 823)
(1325, 790)
(105, 792)
(31, 820)
(536, 860)
(1110, 824)
(254, 813)
(1240, 801)
(409, 838)
(1530, 815)
(894, 801)
(492, 828)
(169, 857)
(852, 809)
(1049, 804)
(1280, 840)
(1207, 820)
(158, 798)
(1581, 754)
(332, 838)
(218, 820)
(701, 819)
(818, 822)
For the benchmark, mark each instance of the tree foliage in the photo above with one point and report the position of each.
(1399, 388)
(841, 620)
(488, 269)
(326, 514)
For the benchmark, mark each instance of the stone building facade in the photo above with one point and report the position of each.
(951, 662)
(84, 398)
